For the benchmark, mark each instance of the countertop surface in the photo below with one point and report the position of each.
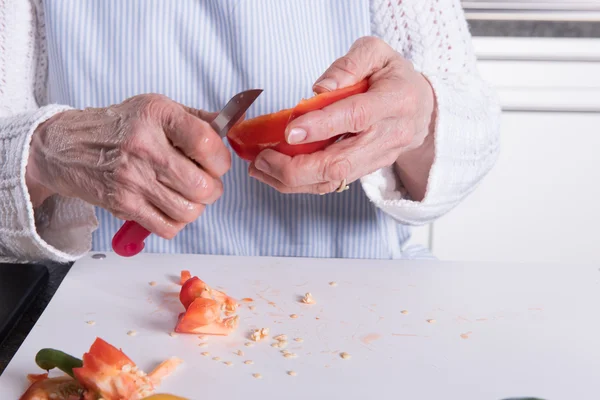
(418, 329)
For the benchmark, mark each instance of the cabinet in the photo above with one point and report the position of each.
(541, 202)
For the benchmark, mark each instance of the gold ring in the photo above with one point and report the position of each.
(342, 187)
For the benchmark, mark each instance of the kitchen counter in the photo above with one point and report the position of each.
(535, 29)
(30, 317)
(458, 316)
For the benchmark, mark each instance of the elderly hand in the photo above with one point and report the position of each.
(134, 159)
(389, 124)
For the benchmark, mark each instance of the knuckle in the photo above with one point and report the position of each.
(368, 41)
(125, 204)
(348, 65)
(358, 117)
(206, 143)
(124, 174)
(337, 170)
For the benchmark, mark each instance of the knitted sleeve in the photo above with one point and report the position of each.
(434, 35)
(60, 229)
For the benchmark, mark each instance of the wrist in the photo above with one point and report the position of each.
(414, 165)
(39, 190)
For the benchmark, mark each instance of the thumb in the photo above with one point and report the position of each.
(366, 56)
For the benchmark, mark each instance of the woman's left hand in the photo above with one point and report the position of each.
(393, 118)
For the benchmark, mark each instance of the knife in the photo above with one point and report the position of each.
(129, 239)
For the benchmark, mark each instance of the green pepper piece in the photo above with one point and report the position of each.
(50, 358)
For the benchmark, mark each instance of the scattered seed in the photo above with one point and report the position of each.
(251, 308)
(259, 334)
(298, 339)
(173, 334)
(239, 353)
(248, 344)
(345, 355)
(126, 368)
(465, 335)
(308, 299)
(332, 283)
(291, 373)
(285, 351)
(257, 376)
(228, 363)
(132, 333)
(248, 362)
(205, 354)
(276, 344)
(203, 345)
(90, 322)
(404, 312)
(431, 321)
(216, 358)
(280, 337)
(290, 355)
(293, 316)
(201, 337)
(152, 283)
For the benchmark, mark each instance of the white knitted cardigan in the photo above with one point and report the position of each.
(433, 34)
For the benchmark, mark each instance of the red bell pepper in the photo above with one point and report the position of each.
(250, 137)
(203, 306)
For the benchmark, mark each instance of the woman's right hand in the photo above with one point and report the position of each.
(133, 159)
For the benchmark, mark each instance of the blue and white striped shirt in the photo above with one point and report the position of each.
(199, 53)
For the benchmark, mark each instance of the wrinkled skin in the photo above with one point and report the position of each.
(148, 159)
(389, 125)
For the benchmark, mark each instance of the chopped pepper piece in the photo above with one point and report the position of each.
(203, 307)
(105, 372)
(185, 275)
(250, 137)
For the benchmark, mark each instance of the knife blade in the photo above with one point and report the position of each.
(129, 239)
(233, 111)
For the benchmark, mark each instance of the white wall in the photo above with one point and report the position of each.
(541, 202)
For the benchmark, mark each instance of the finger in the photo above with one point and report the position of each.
(318, 188)
(180, 174)
(367, 55)
(172, 204)
(353, 114)
(138, 209)
(348, 159)
(198, 141)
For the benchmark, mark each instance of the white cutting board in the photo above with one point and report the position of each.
(528, 330)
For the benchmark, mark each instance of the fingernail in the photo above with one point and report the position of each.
(296, 135)
(327, 83)
(262, 165)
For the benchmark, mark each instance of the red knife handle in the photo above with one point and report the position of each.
(129, 240)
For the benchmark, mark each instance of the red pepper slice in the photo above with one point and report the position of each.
(250, 137)
(203, 307)
(110, 373)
